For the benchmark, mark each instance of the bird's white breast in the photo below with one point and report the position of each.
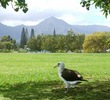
(60, 74)
(61, 77)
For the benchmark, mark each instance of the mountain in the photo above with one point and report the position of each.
(14, 32)
(88, 29)
(47, 27)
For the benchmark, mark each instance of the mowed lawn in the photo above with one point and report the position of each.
(32, 76)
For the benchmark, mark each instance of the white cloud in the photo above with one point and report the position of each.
(68, 10)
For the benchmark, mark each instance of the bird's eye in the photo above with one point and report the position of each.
(58, 63)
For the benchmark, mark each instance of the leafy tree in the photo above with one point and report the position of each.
(16, 4)
(1, 45)
(74, 41)
(6, 38)
(60, 43)
(69, 41)
(32, 44)
(47, 43)
(96, 42)
(79, 40)
(8, 43)
(104, 5)
(108, 42)
(39, 42)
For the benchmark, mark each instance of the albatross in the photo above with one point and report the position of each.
(70, 77)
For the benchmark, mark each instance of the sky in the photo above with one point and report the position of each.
(67, 10)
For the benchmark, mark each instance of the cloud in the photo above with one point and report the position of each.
(42, 9)
(68, 10)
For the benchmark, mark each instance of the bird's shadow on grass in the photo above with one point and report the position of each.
(53, 90)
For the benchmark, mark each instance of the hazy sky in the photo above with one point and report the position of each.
(68, 10)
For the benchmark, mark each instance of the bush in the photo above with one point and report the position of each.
(5, 50)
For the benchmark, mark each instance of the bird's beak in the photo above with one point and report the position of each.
(55, 66)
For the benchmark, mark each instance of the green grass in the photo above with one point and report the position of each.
(31, 76)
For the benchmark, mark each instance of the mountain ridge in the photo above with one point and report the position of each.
(48, 25)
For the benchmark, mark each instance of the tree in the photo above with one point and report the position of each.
(104, 5)
(71, 40)
(27, 37)
(48, 43)
(7, 43)
(54, 32)
(16, 4)
(108, 42)
(96, 42)
(60, 43)
(74, 41)
(79, 40)
(39, 41)
(32, 44)
(32, 33)
(24, 38)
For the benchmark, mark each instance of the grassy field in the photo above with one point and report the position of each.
(31, 76)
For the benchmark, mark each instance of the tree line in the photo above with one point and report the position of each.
(52, 43)
(97, 42)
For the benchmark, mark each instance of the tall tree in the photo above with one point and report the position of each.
(39, 41)
(70, 39)
(23, 40)
(32, 33)
(60, 43)
(54, 32)
(79, 41)
(27, 37)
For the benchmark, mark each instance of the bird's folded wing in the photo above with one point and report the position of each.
(71, 75)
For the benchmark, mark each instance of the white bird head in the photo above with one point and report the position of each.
(61, 65)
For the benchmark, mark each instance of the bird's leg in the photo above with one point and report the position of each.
(66, 90)
(67, 86)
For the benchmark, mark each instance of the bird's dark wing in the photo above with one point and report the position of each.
(71, 75)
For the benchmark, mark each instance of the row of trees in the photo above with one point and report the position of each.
(25, 37)
(57, 43)
(93, 43)
(98, 42)
(53, 43)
